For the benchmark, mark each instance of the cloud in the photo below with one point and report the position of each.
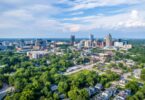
(19, 14)
(135, 20)
(11, 1)
(74, 28)
(84, 18)
(124, 20)
(77, 13)
(87, 4)
(44, 8)
(70, 16)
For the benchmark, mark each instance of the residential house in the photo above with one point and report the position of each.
(99, 86)
(137, 73)
(53, 87)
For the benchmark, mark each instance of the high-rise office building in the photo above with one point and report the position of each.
(108, 40)
(87, 44)
(38, 42)
(91, 37)
(21, 43)
(72, 39)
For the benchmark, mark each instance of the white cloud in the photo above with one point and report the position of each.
(74, 28)
(40, 17)
(124, 20)
(77, 13)
(43, 8)
(87, 4)
(134, 20)
(11, 1)
(88, 23)
(8, 24)
(19, 14)
(79, 18)
(48, 23)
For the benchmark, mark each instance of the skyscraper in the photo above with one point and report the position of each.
(38, 42)
(72, 39)
(108, 40)
(21, 43)
(91, 37)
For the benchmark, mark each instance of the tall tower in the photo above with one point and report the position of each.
(108, 40)
(38, 42)
(21, 43)
(72, 39)
(91, 37)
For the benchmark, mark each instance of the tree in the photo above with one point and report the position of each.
(55, 96)
(27, 95)
(133, 86)
(62, 87)
(90, 81)
(143, 74)
(8, 98)
(1, 84)
(45, 91)
(107, 85)
(45, 77)
(73, 94)
(84, 93)
(36, 86)
(11, 80)
(140, 95)
(78, 94)
(20, 83)
(120, 65)
(16, 96)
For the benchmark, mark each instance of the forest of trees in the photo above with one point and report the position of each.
(32, 79)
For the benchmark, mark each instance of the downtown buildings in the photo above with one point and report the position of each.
(30, 45)
(107, 43)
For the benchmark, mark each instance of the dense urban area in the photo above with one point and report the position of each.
(72, 69)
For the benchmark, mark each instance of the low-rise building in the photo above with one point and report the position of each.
(127, 46)
(130, 63)
(118, 44)
(23, 48)
(3, 48)
(53, 87)
(99, 86)
(91, 90)
(107, 94)
(122, 95)
(137, 73)
(123, 82)
(36, 54)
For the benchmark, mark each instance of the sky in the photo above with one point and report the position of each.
(62, 18)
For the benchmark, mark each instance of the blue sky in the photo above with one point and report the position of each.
(61, 18)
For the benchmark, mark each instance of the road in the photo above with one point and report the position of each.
(83, 67)
(4, 90)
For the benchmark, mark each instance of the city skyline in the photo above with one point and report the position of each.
(61, 19)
